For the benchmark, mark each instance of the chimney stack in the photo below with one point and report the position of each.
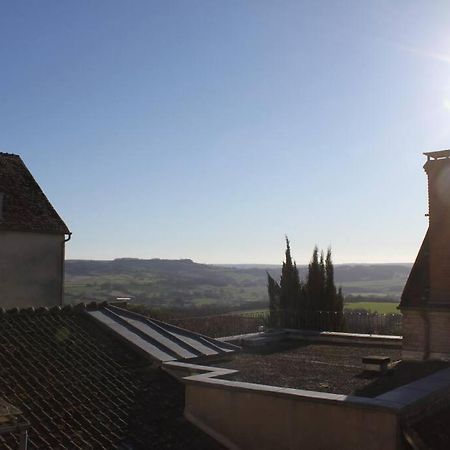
(425, 302)
(437, 168)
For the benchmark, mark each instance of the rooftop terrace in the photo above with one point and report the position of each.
(329, 368)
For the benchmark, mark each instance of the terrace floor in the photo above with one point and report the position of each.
(327, 368)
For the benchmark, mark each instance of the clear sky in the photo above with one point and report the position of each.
(210, 129)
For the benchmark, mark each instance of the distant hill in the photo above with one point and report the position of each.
(130, 265)
(184, 283)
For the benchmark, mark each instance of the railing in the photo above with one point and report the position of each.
(347, 321)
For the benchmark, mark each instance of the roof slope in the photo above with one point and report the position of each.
(159, 340)
(80, 388)
(25, 206)
(432, 431)
(417, 287)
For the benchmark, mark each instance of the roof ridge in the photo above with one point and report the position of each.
(14, 155)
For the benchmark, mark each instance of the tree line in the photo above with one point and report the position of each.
(295, 296)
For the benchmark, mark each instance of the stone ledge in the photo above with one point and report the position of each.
(350, 338)
(407, 396)
(241, 337)
(396, 400)
(321, 336)
(182, 371)
(205, 375)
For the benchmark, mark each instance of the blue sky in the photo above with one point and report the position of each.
(210, 129)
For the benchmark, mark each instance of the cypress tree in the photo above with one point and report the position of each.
(286, 298)
(292, 298)
(314, 284)
(274, 293)
(330, 288)
(289, 283)
(322, 296)
(273, 289)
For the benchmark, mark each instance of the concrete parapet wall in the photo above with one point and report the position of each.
(251, 416)
(261, 417)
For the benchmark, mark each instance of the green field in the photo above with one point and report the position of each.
(379, 307)
(185, 284)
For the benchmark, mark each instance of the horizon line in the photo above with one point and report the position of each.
(230, 264)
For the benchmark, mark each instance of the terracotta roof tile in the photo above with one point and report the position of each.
(80, 388)
(25, 206)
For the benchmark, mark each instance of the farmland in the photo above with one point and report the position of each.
(379, 307)
(184, 284)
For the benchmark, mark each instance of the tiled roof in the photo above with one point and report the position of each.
(431, 432)
(158, 340)
(81, 388)
(417, 287)
(25, 206)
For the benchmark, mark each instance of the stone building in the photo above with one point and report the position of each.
(425, 302)
(32, 240)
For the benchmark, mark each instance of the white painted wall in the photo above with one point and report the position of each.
(31, 269)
